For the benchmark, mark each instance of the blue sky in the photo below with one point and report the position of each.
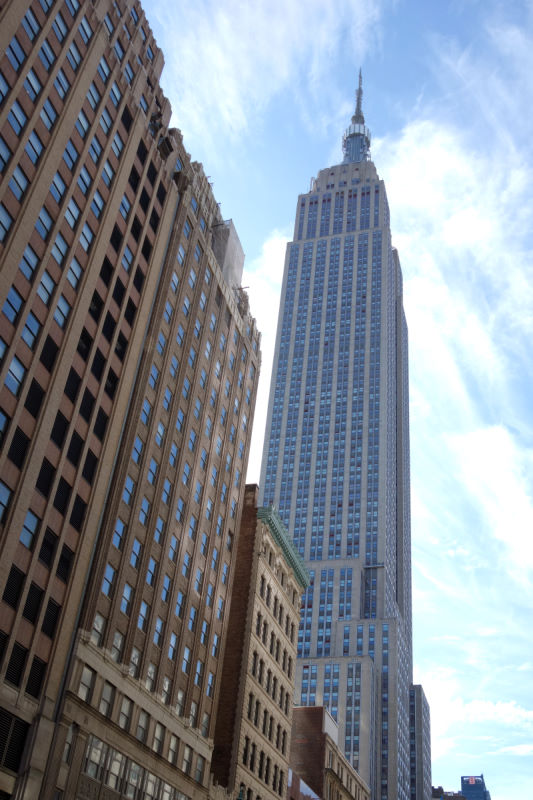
(262, 92)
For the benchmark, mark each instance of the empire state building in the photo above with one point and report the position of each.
(336, 464)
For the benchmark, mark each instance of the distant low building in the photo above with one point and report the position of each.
(318, 767)
(473, 787)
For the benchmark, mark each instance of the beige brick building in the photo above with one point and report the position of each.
(252, 734)
(317, 760)
(129, 367)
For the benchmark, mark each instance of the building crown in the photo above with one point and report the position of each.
(356, 139)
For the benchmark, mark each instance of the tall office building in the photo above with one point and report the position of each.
(336, 460)
(129, 365)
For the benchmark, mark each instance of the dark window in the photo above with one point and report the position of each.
(14, 732)
(32, 606)
(34, 398)
(106, 271)
(118, 292)
(134, 179)
(19, 448)
(147, 248)
(96, 306)
(16, 665)
(152, 173)
(136, 228)
(13, 587)
(36, 677)
(87, 405)
(45, 478)
(121, 345)
(65, 563)
(138, 279)
(78, 513)
(89, 468)
(130, 312)
(116, 238)
(127, 119)
(101, 424)
(48, 547)
(109, 326)
(85, 344)
(62, 497)
(142, 151)
(98, 365)
(161, 193)
(51, 616)
(49, 353)
(144, 200)
(72, 385)
(59, 429)
(111, 383)
(154, 220)
(74, 449)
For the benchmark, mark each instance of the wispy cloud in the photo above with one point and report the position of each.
(233, 58)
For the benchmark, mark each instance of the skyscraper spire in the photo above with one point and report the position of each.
(358, 116)
(356, 139)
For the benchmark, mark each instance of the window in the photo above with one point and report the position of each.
(34, 147)
(85, 30)
(186, 662)
(129, 488)
(135, 556)
(144, 612)
(86, 686)
(117, 647)
(165, 591)
(145, 412)
(142, 726)
(118, 533)
(62, 311)
(5, 154)
(18, 183)
(74, 56)
(124, 718)
(144, 511)
(61, 84)
(158, 632)
(15, 377)
(108, 580)
(47, 55)
(159, 529)
(152, 470)
(30, 529)
(151, 572)
(115, 94)
(59, 27)
(15, 54)
(30, 24)
(107, 699)
(12, 305)
(74, 273)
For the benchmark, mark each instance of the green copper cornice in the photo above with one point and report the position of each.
(270, 517)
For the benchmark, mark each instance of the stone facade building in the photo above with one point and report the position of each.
(253, 728)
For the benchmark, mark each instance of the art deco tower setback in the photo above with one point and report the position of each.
(336, 460)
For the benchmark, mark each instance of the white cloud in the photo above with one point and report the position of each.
(229, 59)
(263, 277)
(496, 473)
